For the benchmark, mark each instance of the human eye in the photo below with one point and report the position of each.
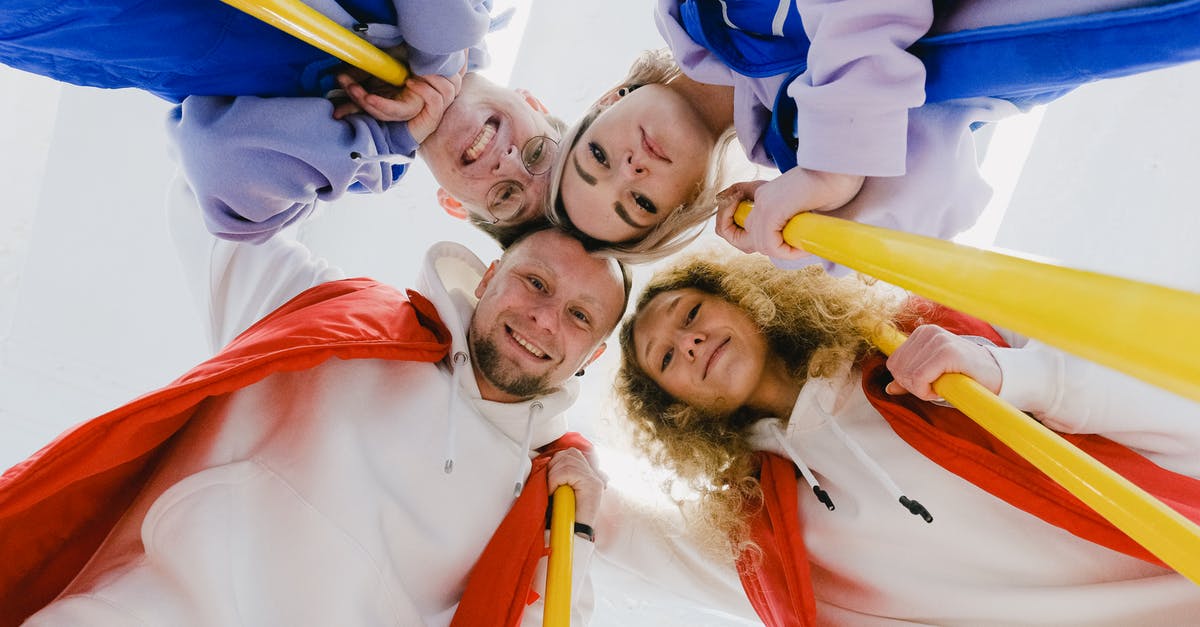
(691, 314)
(533, 154)
(666, 360)
(536, 283)
(598, 153)
(645, 203)
(506, 200)
(581, 316)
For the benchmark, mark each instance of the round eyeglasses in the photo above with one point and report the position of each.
(508, 198)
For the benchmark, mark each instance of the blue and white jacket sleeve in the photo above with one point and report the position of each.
(259, 164)
(853, 100)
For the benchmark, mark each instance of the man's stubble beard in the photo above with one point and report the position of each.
(489, 363)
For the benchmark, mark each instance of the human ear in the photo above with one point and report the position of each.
(532, 101)
(451, 205)
(485, 279)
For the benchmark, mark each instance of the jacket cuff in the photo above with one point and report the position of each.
(1031, 378)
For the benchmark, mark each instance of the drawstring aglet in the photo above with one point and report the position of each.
(517, 489)
(448, 467)
(916, 508)
(823, 497)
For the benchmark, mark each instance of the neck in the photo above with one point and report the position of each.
(777, 390)
(714, 103)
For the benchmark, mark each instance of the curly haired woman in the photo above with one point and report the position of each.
(748, 381)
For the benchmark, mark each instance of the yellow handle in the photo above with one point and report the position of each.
(1147, 331)
(558, 571)
(300, 20)
(1016, 293)
(1163, 531)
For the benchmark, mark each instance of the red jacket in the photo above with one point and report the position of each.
(57, 507)
(779, 584)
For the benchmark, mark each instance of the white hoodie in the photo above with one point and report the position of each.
(322, 497)
(981, 561)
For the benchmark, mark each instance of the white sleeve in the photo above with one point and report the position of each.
(652, 543)
(853, 99)
(235, 283)
(1073, 395)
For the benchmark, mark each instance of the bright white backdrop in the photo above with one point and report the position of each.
(92, 312)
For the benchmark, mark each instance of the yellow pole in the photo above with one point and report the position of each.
(1147, 331)
(558, 570)
(300, 20)
(988, 281)
(1163, 531)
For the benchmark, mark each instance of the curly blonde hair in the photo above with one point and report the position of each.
(816, 323)
(684, 224)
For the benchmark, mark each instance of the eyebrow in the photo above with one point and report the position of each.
(624, 215)
(650, 344)
(587, 178)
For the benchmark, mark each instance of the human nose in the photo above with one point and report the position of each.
(688, 342)
(510, 165)
(634, 165)
(544, 316)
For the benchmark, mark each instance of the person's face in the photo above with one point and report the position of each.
(641, 158)
(701, 349)
(479, 144)
(543, 312)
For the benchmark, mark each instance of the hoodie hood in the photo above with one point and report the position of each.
(448, 279)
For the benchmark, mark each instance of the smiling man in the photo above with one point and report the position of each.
(276, 485)
(259, 164)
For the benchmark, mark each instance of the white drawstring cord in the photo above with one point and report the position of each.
(879, 473)
(457, 364)
(822, 495)
(535, 408)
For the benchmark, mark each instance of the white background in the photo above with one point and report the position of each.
(92, 312)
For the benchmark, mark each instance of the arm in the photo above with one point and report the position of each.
(441, 36)
(578, 470)
(1073, 395)
(854, 98)
(235, 284)
(258, 165)
(851, 121)
(1066, 393)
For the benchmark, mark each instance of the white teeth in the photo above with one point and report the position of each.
(533, 350)
(481, 141)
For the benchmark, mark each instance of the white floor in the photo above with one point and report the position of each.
(92, 312)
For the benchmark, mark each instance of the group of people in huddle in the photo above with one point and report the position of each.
(357, 454)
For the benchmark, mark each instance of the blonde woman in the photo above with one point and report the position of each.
(866, 108)
(848, 500)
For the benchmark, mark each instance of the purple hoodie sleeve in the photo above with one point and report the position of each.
(259, 164)
(853, 101)
(439, 34)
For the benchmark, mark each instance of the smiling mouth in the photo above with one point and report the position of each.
(482, 140)
(524, 342)
(653, 148)
(713, 356)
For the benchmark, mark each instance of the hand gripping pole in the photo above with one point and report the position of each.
(1065, 307)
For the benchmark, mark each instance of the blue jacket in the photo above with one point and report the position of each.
(177, 48)
(1027, 63)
